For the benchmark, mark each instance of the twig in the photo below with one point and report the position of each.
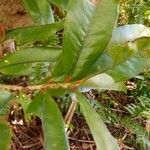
(87, 137)
(123, 146)
(82, 141)
(29, 145)
(15, 138)
(70, 112)
(147, 126)
(13, 145)
(39, 87)
(118, 110)
(76, 133)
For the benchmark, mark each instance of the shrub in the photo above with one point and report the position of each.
(94, 54)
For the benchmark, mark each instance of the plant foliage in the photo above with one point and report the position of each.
(94, 53)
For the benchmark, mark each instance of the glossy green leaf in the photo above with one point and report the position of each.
(126, 69)
(122, 50)
(58, 69)
(5, 136)
(130, 68)
(120, 53)
(135, 64)
(57, 74)
(112, 57)
(60, 3)
(143, 43)
(18, 70)
(5, 98)
(128, 33)
(87, 36)
(108, 60)
(12, 62)
(40, 11)
(102, 82)
(104, 140)
(104, 63)
(53, 126)
(34, 33)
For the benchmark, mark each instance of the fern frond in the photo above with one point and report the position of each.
(140, 109)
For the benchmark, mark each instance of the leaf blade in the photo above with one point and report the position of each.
(54, 133)
(101, 135)
(5, 98)
(91, 36)
(27, 56)
(134, 65)
(128, 33)
(40, 11)
(5, 134)
(124, 47)
(102, 82)
(29, 34)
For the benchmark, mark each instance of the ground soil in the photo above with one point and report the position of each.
(12, 14)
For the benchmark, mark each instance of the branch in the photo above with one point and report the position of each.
(70, 112)
(39, 87)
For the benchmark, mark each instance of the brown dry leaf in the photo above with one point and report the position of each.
(8, 46)
(2, 32)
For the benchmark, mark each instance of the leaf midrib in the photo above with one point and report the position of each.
(85, 38)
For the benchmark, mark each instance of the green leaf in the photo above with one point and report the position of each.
(130, 68)
(128, 33)
(12, 62)
(5, 136)
(108, 60)
(54, 131)
(120, 53)
(104, 140)
(143, 43)
(135, 64)
(24, 100)
(123, 50)
(87, 36)
(57, 72)
(112, 57)
(5, 98)
(60, 3)
(102, 82)
(18, 70)
(34, 33)
(124, 68)
(40, 11)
